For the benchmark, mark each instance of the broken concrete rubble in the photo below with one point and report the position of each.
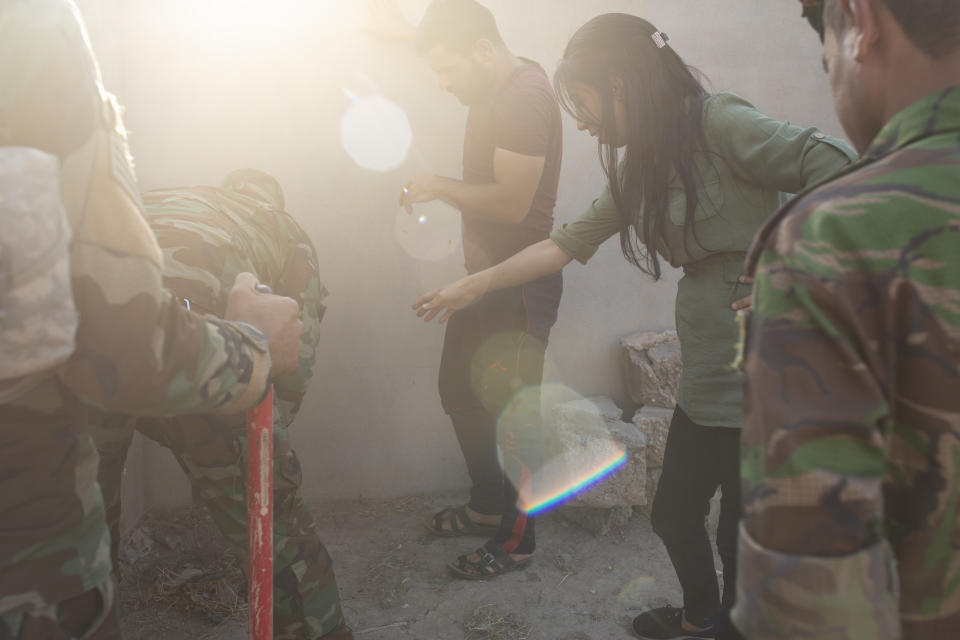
(654, 424)
(598, 521)
(586, 430)
(653, 477)
(652, 367)
(588, 434)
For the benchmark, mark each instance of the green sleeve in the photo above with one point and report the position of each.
(299, 280)
(773, 154)
(138, 350)
(581, 238)
(781, 595)
(813, 450)
(811, 374)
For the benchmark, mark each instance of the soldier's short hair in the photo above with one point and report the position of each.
(933, 25)
(457, 25)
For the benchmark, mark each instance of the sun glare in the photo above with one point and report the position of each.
(242, 23)
(375, 133)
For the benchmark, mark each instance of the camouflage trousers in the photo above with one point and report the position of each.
(54, 547)
(90, 616)
(212, 452)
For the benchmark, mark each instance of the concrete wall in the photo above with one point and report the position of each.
(206, 91)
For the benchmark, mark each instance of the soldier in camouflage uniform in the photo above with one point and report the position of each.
(38, 319)
(208, 235)
(851, 449)
(138, 350)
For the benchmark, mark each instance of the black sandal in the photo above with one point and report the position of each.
(460, 524)
(493, 561)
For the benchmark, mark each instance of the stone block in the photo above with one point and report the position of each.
(654, 424)
(587, 436)
(587, 410)
(597, 521)
(653, 478)
(652, 367)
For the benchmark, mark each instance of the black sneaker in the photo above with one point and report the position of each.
(664, 623)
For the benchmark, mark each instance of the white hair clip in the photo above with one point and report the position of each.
(660, 39)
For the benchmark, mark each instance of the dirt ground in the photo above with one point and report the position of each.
(177, 581)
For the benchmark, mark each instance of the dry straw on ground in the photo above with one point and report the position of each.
(488, 623)
(178, 563)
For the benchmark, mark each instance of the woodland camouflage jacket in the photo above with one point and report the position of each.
(851, 447)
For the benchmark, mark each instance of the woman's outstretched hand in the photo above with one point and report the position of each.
(449, 299)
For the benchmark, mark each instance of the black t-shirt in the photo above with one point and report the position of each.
(522, 117)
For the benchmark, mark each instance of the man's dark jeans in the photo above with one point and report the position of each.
(491, 351)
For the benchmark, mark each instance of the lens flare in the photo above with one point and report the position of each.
(375, 132)
(432, 233)
(547, 467)
(499, 368)
(568, 483)
(634, 591)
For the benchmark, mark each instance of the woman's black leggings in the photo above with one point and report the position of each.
(699, 459)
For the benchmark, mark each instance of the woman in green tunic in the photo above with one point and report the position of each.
(690, 178)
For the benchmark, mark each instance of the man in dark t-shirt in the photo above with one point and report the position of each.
(493, 352)
(522, 118)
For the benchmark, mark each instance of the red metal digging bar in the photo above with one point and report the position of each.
(260, 518)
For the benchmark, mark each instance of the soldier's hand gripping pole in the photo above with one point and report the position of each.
(260, 518)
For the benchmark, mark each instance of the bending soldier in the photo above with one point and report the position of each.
(208, 235)
(138, 350)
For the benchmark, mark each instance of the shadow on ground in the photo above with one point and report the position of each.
(178, 582)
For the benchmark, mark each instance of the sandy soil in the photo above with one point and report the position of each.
(177, 581)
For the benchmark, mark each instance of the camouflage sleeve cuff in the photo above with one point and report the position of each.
(791, 596)
(259, 381)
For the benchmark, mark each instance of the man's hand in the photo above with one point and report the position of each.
(743, 303)
(423, 188)
(277, 317)
(385, 20)
(446, 300)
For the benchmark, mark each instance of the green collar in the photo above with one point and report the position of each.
(937, 113)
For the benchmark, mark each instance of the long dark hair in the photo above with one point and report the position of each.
(664, 100)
